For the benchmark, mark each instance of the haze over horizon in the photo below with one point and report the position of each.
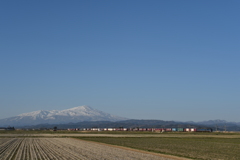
(165, 60)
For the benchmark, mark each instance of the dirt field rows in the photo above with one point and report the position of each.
(64, 149)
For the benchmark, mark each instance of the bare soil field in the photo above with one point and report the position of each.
(66, 149)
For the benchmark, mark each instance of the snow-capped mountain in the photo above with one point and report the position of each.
(76, 114)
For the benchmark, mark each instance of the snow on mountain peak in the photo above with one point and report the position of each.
(76, 114)
(34, 113)
(85, 107)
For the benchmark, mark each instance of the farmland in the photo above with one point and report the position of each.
(65, 149)
(115, 134)
(102, 145)
(190, 147)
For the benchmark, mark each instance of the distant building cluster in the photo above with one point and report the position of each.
(144, 129)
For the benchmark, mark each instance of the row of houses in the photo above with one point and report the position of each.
(144, 129)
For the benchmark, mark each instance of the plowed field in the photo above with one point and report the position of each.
(65, 149)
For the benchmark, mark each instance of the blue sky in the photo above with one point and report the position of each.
(168, 60)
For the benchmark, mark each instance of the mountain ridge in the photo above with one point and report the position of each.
(136, 123)
(75, 114)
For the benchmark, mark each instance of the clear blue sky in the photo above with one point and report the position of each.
(159, 59)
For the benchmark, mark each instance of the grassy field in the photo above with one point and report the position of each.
(72, 132)
(189, 147)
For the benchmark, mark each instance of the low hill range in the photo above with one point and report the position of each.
(134, 123)
(219, 125)
(87, 117)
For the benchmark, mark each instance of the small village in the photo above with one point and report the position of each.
(144, 129)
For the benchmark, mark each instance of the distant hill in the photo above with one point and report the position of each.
(220, 125)
(73, 115)
(133, 123)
